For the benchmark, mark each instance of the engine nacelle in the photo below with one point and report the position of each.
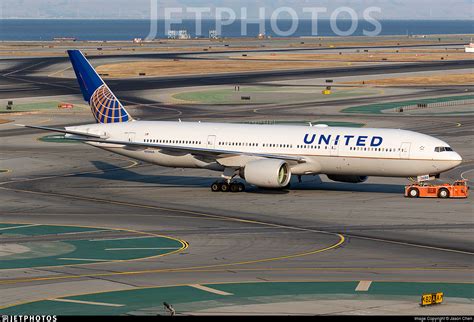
(349, 179)
(267, 173)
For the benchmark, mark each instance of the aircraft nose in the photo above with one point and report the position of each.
(457, 158)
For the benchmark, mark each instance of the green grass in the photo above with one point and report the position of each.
(266, 95)
(379, 107)
(444, 113)
(53, 105)
(449, 289)
(87, 249)
(210, 97)
(10, 225)
(242, 293)
(296, 288)
(46, 230)
(51, 253)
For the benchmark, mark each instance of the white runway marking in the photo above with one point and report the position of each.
(85, 232)
(86, 259)
(10, 249)
(144, 248)
(22, 226)
(363, 286)
(210, 290)
(87, 302)
(122, 238)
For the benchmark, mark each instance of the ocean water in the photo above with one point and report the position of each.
(36, 29)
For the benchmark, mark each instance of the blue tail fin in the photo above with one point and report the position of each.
(105, 107)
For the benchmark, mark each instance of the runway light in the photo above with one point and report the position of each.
(169, 309)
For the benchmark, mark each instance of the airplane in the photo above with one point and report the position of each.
(265, 156)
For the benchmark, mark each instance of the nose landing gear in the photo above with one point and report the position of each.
(225, 186)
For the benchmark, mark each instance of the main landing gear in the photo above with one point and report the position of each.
(225, 186)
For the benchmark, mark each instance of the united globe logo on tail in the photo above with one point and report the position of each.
(106, 108)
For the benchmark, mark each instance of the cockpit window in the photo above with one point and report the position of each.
(443, 148)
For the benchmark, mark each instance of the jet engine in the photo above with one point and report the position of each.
(267, 173)
(349, 179)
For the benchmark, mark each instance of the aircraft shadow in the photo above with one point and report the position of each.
(125, 175)
(314, 183)
(351, 187)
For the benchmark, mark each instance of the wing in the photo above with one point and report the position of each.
(204, 152)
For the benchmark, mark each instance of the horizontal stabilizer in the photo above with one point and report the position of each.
(44, 128)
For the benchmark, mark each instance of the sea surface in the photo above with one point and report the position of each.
(37, 29)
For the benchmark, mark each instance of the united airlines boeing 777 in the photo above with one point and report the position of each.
(263, 155)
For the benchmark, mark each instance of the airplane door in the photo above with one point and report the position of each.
(405, 150)
(334, 147)
(211, 142)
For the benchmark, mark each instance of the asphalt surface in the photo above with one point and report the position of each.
(16, 78)
(320, 230)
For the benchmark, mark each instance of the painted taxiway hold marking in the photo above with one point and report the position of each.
(87, 302)
(144, 248)
(363, 286)
(210, 290)
(86, 259)
(16, 227)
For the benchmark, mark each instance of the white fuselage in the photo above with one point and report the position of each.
(326, 150)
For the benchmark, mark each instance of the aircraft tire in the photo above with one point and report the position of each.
(225, 187)
(216, 186)
(234, 187)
